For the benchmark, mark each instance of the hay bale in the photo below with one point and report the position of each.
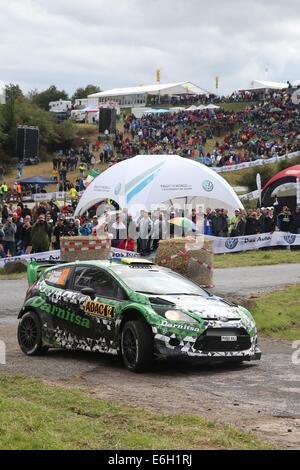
(13, 267)
(84, 248)
(192, 257)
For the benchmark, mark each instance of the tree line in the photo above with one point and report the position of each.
(32, 110)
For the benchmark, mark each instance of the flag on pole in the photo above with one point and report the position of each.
(258, 184)
(158, 75)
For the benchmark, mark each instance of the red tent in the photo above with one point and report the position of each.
(289, 175)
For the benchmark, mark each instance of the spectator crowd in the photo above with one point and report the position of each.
(39, 229)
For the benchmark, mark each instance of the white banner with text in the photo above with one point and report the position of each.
(260, 162)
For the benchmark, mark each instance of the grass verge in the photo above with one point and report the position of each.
(256, 258)
(278, 314)
(37, 416)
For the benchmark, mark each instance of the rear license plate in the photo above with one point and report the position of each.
(228, 338)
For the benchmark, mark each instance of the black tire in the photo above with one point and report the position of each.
(137, 346)
(30, 335)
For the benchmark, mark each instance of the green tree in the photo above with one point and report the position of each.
(83, 92)
(51, 94)
(12, 92)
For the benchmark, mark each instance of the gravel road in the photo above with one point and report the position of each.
(262, 397)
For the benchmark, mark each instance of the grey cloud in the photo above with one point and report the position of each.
(122, 42)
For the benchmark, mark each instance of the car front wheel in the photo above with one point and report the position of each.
(30, 335)
(137, 346)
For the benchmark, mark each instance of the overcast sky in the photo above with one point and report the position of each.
(116, 43)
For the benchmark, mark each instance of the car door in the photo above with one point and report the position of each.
(63, 308)
(102, 310)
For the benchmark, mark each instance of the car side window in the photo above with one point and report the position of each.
(103, 284)
(58, 277)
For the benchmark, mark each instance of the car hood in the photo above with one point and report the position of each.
(207, 308)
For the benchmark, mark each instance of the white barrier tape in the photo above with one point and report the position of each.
(250, 196)
(260, 162)
(220, 245)
(55, 256)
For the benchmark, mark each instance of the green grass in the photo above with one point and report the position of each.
(256, 258)
(11, 277)
(37, 416)
(236, 107)
(278, 314)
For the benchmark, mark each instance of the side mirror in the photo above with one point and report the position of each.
(88, 291)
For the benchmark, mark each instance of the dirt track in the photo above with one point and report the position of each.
(262, 397)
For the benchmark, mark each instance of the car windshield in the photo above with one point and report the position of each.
(156, 281)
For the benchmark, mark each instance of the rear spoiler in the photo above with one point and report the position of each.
(36, 268)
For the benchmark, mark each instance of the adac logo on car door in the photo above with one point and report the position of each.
(97, 308)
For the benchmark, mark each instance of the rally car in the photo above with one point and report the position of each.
(132, 308)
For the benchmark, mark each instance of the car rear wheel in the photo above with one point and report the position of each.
(30, 335)
(137, 346)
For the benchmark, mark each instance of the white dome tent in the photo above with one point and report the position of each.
(147, 181)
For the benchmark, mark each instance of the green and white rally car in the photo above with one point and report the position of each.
(133, 308)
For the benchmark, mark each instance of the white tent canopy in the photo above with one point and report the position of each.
(146, 181)
(163, 88)
(264, 85)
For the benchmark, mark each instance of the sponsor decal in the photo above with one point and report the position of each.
(208, 185)
(290, 239)
(231, 243)
(97, 308)
(66, 314)
(179, 326)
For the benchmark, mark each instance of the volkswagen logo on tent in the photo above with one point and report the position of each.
(290, 239)
(231, 243)
(208, 185)
(117, 189)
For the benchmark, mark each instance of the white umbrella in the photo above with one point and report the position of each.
(146, 181)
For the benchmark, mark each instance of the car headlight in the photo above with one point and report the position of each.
(177, 315)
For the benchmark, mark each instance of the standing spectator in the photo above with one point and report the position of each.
(25, 236)
(295, 222)
(82, 168)
(5, 213)
(2, 252)
(145, 230)
(208, 222)
(241, 225)
(218, 224)
(268, 223)
(73, 193)
(40, 235)
(233, 222)
(160, 230)
(119, 231)
(284, 219)
(9, 233)
(226, 222)
(20, 168)
(252, 223)
(86, 227)
(70, 229)
(58, 231)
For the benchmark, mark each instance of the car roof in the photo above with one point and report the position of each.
(110, 264)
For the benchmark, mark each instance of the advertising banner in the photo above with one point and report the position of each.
(55, 256)
(253, 242)
(259, 162)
